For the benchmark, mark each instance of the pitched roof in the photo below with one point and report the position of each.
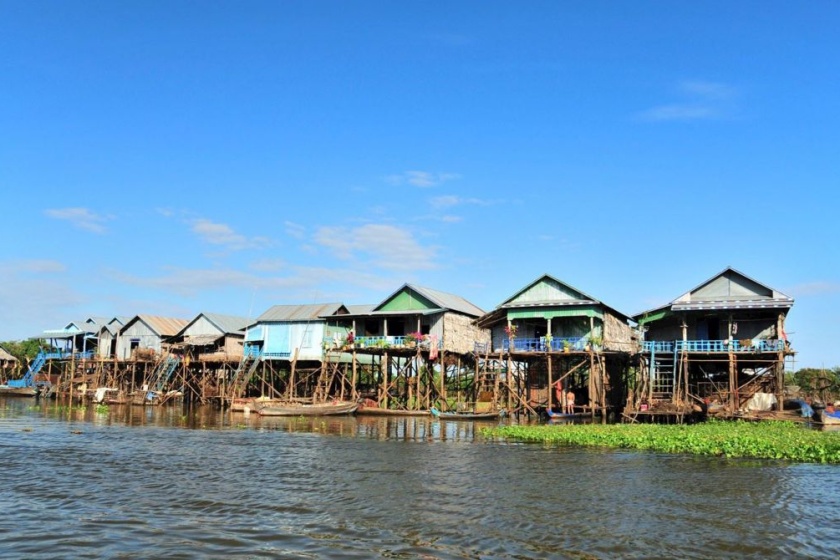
(162, 326)
(729, 289)
(444, 301)
(305, 312)
(6, 357)
(228, 324)
(575, 297)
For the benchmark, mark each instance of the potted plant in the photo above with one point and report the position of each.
(567, 346)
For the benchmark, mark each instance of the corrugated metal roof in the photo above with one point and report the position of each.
(449, 301)
(360, 309)
(163, 326)
(228, 324)
(444, 300)
(732, 304)
(776, 300)
(202, 339)
(306, 312)
(585, 299)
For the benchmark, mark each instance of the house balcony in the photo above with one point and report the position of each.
(540, 344)
(712, 346)
(67, 355)
(390, 342)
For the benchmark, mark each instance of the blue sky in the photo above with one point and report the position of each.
(175, 157)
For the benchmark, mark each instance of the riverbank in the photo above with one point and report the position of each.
(761, 440)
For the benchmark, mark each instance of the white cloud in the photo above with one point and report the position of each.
(81, 218)
(423, 179)
(35, 295)
(295, 230)
(815, 289)
(448, 201)
(702, 100)
(222, 234)
(386, 246)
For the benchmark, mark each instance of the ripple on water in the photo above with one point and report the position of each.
(136, 485)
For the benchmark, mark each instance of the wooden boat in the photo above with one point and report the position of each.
(240, 404)
(7, 391)
(553, 415)
(464, 415)
(336, 408)
(377, 411)
(826, 418)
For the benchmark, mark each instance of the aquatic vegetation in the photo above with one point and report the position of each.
(101, 409)
(762, 440)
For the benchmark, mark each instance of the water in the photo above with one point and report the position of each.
(156, 483)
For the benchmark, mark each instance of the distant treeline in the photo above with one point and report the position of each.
(820, 384)
(23, 350)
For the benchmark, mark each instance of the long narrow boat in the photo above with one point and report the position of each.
(466, 415)
(553, 415)
(18, 391)
(367, 410)
(337, 408)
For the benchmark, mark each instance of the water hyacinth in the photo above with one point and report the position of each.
(761, 440)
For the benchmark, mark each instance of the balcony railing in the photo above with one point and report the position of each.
(556, 344)
(66, 355)
(740, 346)
(390, 342)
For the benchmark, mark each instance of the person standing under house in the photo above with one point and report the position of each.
(559, 395)
(570, 402)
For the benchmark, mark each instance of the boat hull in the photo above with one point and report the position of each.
(824, 418)
(18, 391)
(327, 409)
(465, 415)
(376, 411)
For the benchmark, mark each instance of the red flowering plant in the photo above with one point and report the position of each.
(414, 337)
(510, 331)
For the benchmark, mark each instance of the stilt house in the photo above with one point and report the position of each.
(719, 345)
(143, 337)
(212, 337)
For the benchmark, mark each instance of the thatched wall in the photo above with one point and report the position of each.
(461, 334)
(618, 335)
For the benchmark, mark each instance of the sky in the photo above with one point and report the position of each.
(177, 157)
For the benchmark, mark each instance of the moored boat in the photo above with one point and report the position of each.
(333, 408)
(18, 391)
(826, 416)
(465, 415)
(370, 408)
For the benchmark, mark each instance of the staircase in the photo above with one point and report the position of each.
(244, 372)
(163, 372)
(662, 375)
(28, 380)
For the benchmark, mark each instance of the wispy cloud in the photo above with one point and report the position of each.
(295, 230)
(423, 179)
(386, 246)
(222, 234)
(286, 282)
(448, 201)
(82, 218)
(698, 100)
(815, 289)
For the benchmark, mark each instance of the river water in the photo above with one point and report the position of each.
(130, 482)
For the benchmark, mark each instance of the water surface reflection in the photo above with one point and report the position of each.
(169, 483)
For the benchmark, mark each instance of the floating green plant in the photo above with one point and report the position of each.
(762, 440)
